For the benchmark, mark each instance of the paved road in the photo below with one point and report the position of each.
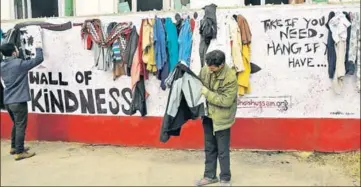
(59, 163)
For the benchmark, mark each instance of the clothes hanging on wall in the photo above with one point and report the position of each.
(139, 98)
(185, 102)
(185, 42)
(172, 43)
(148, 45)
(103, 38)
(208, 29)
(138, 77)
(131, 49)
(243, 77)
(355, 48)
(331, 50)
(222, 41)
(246, 34)
(161, 56)
(142, 65)
(22, 39)
(196, 64)
(338, 25)
(236, 44)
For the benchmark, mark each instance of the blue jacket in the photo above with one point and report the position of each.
(185, 42)
(14, 72)
(159, 44)
(172, 43)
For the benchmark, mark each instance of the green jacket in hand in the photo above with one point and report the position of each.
(220, 90)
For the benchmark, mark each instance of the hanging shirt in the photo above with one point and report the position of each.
(196, 64)
(243, 78)
(148, 46)
(172, 43)
(185, 42)
(338, 26)
(236, 40)
(222, 42)
(159, 44)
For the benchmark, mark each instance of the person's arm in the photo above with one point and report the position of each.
(226, 98)
(30, 64)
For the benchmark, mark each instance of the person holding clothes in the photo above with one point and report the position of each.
(220, 90)
(14, 72)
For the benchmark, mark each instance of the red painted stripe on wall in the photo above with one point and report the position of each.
(318, 134)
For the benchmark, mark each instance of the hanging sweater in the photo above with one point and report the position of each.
(185, 42)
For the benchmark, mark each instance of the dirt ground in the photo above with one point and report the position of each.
(58, 163)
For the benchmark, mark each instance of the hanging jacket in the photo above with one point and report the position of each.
(185, 102)
(130, 51)
(208, 28)
(148, 45)
(243, 78)
(159, 44)
(236, 44)
(222, 41)
(350, 67)
(245, 30)
(331, 51)
(160, 51)
(172, 43)
(18, 36)
(185, 43)
(339, 28)
(139, 98)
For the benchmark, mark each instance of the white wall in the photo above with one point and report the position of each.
(307, 91)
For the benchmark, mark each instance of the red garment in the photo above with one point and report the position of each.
(193, 23)
(89, 42)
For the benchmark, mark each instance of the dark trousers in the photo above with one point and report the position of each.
(19, 115)
(216, 146)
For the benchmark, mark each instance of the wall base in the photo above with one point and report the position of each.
(327, 135)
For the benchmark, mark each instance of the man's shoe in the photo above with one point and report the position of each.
(225, 183)
(13, 150)
(23, 155)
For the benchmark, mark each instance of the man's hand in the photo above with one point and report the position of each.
(39, 38)
(204, 90)
(38, 44)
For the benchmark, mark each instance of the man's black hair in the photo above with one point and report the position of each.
(8, 49)
(215, 58)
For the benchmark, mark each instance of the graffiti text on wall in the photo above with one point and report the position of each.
(296, 38)
(281, 103)
(83, 101)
